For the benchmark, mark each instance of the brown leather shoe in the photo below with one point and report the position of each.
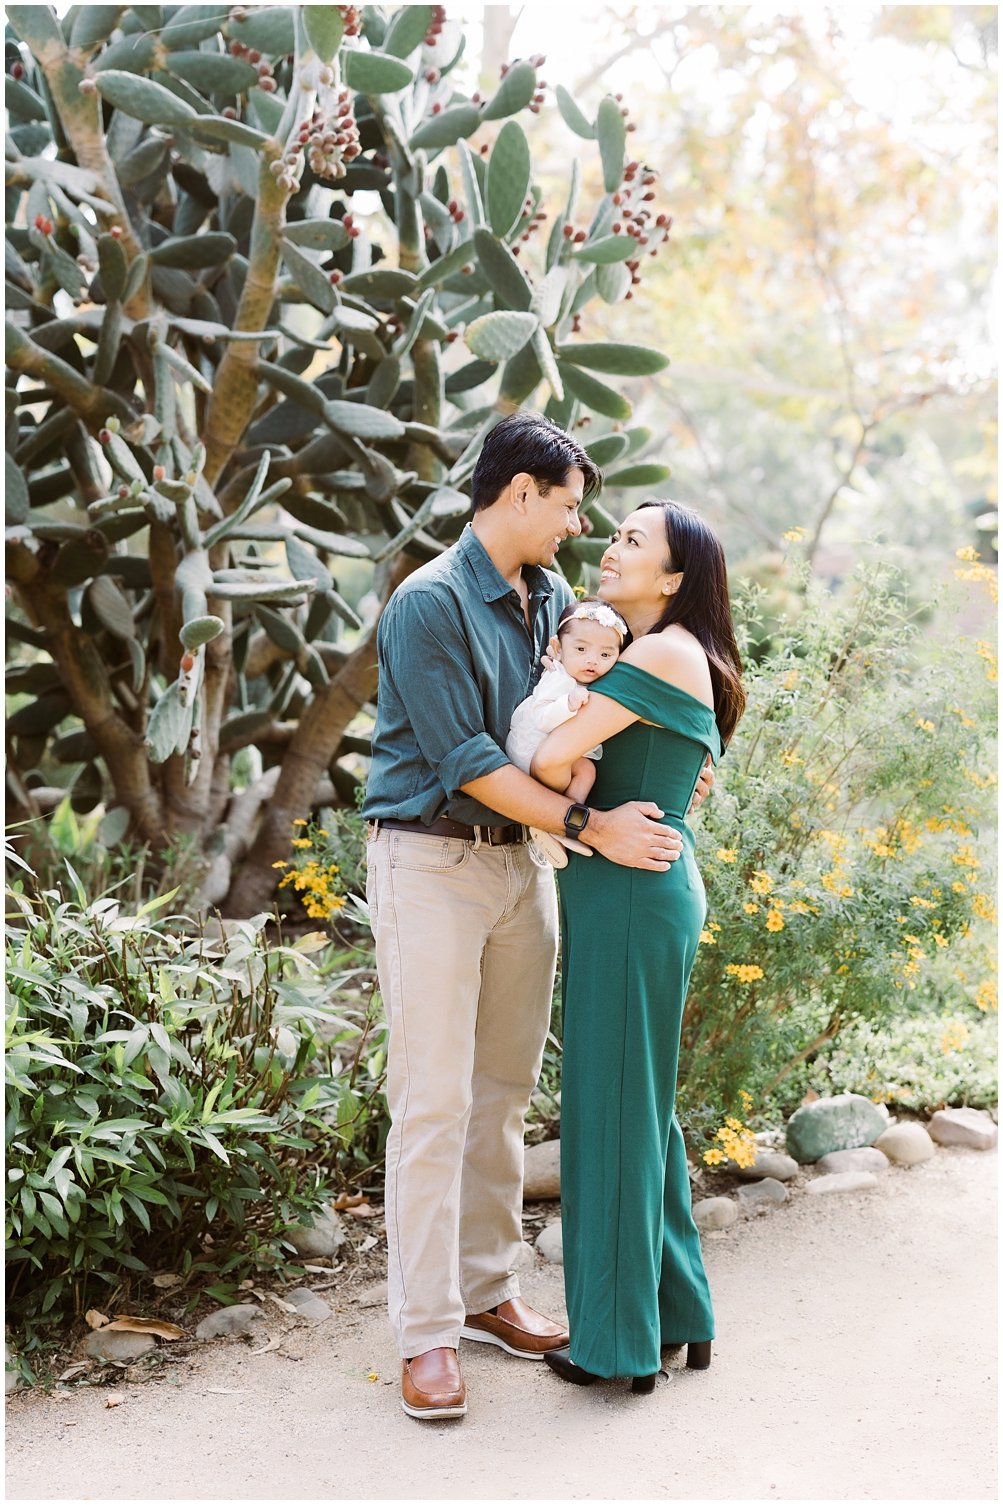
(515, 1327)
(432, 1386)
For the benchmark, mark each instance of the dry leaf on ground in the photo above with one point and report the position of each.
(165, 1281)
(346, 1202)
(168, 1330)
(95, 1319)
(269, 1347)
(363, 1210)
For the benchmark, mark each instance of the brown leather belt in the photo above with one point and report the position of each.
(491, 836)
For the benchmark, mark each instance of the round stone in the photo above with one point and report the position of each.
(833, 1123)
(867, 1158)
(551, 1243)
(906, 1144)
(714, 1213)
(840, 1181)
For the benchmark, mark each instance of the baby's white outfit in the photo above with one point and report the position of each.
(532, 720)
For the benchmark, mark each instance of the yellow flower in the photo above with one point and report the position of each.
(751, 908)
(744, 972)
(774, 920)
(985, 651)
(790, 679)
(280, 864)
(707, 938)
(965, 720)
(941, 940)
(925, 726)
(985, 997)
(726, 854)
(795, 535)
(984, 907)
(714, 1157)
(302, 841)
(790, 759)
(760, 882)
(299, 821)
(800, 907)
(969, 554)
(959, 888)
(954, 1036)
(919, 903)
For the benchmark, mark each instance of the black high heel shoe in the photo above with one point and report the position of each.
(698, 1355)
(561, 1362)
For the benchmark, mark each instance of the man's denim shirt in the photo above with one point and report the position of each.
(455, 659)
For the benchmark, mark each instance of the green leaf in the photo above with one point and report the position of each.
(507, 279)
(111, 607)
(168, 726)
(317, 234)
(607, 449)
(212, 73)
(509, 172)
(312, 282)
(498, 336)
(407, 30)
(595, 395)
(471, 184)
(144, 99)
(192, 252)
(269, 28)
(607, 248)
(189, 25)
(640, 475)
(544, 353)
(572, 115)
(220, 128)
(439, 131)
(612, 133)
(375, 73)
(613, 281)
(200, 630)
(513, 94)
(364, 422)
(549, 294)
(460, 256)
(616, 359)
(474, 374)
(93, 24)
(380, 282)
(324, 29)
(113, 266)
(36, 25)
(293, 387)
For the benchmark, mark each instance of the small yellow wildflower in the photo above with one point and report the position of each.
(790, 679)
(968, 554)
(707, 938)
(774, 920)
(959, 888)
(751, 908)
(790, 759)
(986, 996)
(726, 854)
(794, 535)
(984, 907)
(954, 1037)
(941, 941)
(919, 903)
(924, 725)
(744, 972)
(302, 841)
(761, 882)
(280, 864)
(299, 821)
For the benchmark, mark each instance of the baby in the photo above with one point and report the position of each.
(590, 638)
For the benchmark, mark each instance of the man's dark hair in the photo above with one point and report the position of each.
(531, 443)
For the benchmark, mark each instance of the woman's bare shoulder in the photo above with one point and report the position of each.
(674, 655)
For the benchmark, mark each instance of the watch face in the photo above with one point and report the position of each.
(576, 818)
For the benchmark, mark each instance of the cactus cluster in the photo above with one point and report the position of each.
(225, 378)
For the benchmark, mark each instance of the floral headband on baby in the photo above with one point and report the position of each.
(599, 611)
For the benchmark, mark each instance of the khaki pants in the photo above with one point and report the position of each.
(466, 944)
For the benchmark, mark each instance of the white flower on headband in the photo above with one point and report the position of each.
(598, 611)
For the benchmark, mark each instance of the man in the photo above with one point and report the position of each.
(463, 911)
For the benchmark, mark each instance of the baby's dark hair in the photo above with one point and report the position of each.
(599, 610)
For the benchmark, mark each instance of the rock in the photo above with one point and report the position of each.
(760, 1196)
(543, 1171)
(833, 1123)
(11, 1373)
(714, 1213)
(320, 1241)
(374, 1295)
(967, 1126)
(772, 1163)
(526, 1257)
(119, 1347)
(907, 1144)
(229, 1322)
(837, 1181)
(308, 1305)
(551, 1243)
(867, 1158)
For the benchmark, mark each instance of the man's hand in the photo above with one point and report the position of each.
(577, 697)
(633, 836)
(705, 783)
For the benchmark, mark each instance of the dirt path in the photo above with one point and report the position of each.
(856, 1360)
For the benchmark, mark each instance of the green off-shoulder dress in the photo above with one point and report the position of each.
(633, 1270)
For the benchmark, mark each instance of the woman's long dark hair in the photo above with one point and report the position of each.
(702, 606)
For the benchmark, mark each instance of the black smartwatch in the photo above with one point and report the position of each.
(576, 818)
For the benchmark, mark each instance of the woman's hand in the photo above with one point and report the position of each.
(705, 783)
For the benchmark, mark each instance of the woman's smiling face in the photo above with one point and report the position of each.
(633, 570)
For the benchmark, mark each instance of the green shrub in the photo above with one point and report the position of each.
(176, 1096)
(841, 850)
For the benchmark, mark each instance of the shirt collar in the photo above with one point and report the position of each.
(492, 582)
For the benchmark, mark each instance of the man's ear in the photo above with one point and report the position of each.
(521, 488)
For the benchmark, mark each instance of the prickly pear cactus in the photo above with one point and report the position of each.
(272, 276)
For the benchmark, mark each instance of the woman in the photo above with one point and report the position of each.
(634, 1275)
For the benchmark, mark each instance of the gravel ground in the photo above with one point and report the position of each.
(856, 1361)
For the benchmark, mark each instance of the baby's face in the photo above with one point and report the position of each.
(588, 650)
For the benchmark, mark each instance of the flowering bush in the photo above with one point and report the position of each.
(842, 851)
(329, 863)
